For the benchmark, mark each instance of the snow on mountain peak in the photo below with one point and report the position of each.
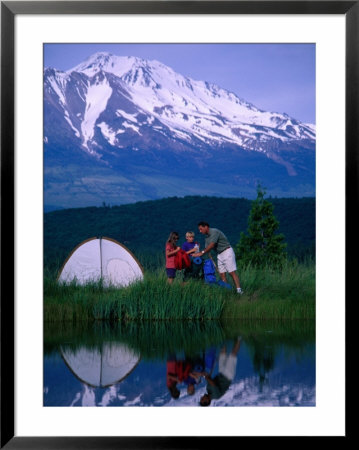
(97, 97)
(186, 107)
(107, 62)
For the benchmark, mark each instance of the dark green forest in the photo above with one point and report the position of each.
(143, 227)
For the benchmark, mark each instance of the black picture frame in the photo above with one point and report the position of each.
(9, 9)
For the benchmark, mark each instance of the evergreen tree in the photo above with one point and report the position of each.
(262, 247)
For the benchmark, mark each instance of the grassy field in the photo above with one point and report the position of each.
(286, 294)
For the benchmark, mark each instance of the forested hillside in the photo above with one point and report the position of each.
(143, 227)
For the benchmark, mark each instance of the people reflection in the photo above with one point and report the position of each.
(188, 371)
(177, 372)
(227, 364)
(200, 365)
(194, 377)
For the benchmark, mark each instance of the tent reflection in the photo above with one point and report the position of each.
(101, 366)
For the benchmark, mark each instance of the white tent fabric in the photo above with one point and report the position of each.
(101, 258)
(101, 367)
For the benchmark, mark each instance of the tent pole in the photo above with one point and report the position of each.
(101, 256)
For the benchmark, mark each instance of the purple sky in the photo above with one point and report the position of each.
(274, 77)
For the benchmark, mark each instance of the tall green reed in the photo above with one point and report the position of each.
(269, 294)
(151, 299)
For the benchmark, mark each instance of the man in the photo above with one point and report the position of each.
(226, 260)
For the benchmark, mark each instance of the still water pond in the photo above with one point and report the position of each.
(180, 364)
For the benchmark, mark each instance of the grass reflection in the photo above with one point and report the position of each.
(156, 339)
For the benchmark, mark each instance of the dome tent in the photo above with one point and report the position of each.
(101, 259)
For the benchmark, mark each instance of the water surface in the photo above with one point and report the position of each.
(163, 364)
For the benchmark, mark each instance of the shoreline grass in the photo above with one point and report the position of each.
(269, 294)
(273, 294)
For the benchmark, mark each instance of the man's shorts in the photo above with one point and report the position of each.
(227, 261)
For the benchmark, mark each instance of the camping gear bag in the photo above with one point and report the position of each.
(197, 260)
(209, 272)
(182, 260)
(224, 284)
(196, 267)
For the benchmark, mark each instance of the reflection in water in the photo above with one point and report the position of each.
(189, 371)
(100, 367)
(180, 364)
(218, 385)
(263, 360)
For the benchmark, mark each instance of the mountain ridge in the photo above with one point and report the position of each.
(118, 114)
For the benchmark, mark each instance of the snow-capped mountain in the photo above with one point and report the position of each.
(140, 120)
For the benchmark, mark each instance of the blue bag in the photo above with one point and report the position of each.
(209, 272)
(224, 284)
(209, 359)
(197, 260)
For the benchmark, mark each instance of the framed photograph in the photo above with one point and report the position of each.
(125, 122)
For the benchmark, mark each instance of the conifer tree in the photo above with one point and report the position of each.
(262, 247)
